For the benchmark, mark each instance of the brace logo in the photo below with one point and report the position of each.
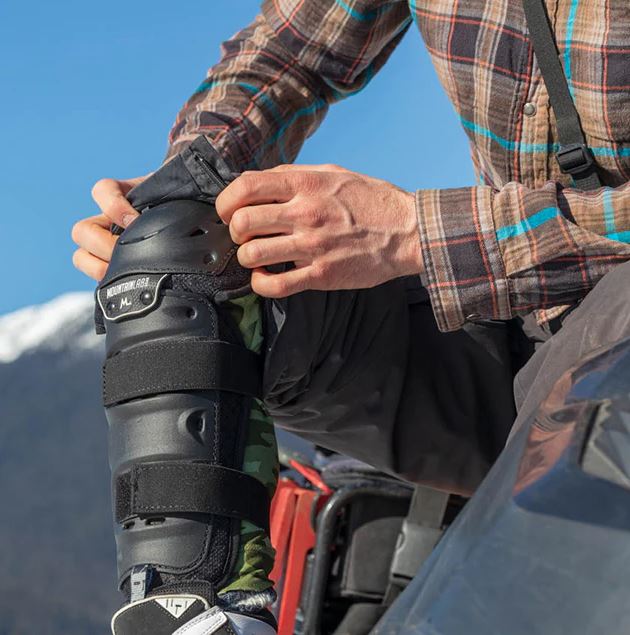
(133, 295)
(130, 285)
(176, 606)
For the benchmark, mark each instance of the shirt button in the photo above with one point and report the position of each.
(529, 109)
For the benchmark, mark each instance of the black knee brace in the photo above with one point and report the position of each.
(177, 386)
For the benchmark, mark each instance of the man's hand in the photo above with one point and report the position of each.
(93, 234)
(341, 229)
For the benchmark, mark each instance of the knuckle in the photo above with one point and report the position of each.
(254, 252)
(315, 241)
(248, 255)
(319, 271)
(115, 207)
(278, 286)
(309, 182)
(77, 231)
(239, 223)
(313, 216)
(100, 186)
(247, 183)
(309, 243)
(290, 213)
(101, 270)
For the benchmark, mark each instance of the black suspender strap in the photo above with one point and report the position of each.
(574, 156)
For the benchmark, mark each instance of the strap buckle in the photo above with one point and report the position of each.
(575, 158)
(420, 532)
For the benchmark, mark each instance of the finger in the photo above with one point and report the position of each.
(280, 285)
(99, 219)
(269, 251)
(255, 188)
(301, 167)
(109, 195)
(94, 235)
(259, 220)
(90, 265)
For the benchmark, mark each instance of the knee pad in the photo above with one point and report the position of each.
(177, 388)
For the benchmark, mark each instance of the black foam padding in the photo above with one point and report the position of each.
(178, 487)
(158, 367)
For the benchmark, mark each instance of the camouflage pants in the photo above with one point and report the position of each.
(256, 555)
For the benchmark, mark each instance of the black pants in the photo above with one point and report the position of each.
(367, 373)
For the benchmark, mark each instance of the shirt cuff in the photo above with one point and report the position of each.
(225, 146)
(463, 267)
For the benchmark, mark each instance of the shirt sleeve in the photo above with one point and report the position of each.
(499, 253)
(277, 77)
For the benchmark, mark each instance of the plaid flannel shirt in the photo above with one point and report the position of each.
(523, 239)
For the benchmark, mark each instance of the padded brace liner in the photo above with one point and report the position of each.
(185, 364)
(174, 487)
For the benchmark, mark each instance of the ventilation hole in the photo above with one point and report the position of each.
(154, 521)
(219, 222)
(191, 313)
(129, 524)
(210, 258)
(198, 424)
(200, 231)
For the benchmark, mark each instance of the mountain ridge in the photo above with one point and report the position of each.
(57, 552)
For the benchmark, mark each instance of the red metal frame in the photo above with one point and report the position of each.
(293, 537)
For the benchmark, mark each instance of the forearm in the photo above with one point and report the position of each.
(245, 103)
(276, 78)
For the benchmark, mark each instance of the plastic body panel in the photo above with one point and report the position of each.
(544, 545)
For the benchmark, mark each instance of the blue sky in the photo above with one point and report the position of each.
(91, 89)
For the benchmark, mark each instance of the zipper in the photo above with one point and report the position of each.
(210, 171)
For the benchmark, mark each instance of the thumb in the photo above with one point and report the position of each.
(109, 195)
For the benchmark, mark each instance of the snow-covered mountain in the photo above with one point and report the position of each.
(57, 557)
(65, 323)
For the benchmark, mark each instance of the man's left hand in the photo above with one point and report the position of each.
(342, 230)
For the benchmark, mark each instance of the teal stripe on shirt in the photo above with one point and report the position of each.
(250, 88)
(357, 15)
(569, 41)
(527, 224)
(277, 137)
(547, 214)
(532, 148)
(609, 212)
(622, 237)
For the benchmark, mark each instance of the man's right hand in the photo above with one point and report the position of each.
(93, 234)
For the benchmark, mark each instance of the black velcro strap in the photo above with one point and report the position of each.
(178, 487)
(574, 157)
(174, 365)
